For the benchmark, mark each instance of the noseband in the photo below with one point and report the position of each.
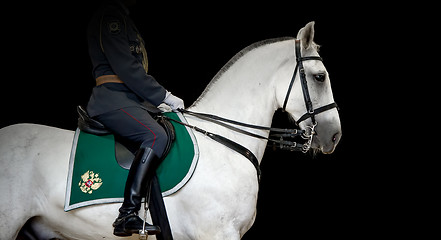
(310, 111)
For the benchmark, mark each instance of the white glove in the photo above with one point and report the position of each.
(173, 101)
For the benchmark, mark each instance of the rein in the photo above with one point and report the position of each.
(279, 133)
(225, 141)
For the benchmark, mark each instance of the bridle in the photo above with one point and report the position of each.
(310, 111)
(309, 108)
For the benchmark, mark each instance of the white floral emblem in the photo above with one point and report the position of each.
(90, 182)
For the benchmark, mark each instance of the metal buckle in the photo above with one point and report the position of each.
(308, 135)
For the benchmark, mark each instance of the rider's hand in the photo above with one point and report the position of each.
(173, 101)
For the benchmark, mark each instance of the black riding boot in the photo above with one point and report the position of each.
(140, 174)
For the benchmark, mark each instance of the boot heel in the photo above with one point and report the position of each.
(119, 231)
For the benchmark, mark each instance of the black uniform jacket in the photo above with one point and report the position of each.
(115, 49)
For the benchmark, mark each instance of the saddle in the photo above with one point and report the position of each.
(123, 156)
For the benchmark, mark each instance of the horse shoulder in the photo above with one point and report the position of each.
(221, 195)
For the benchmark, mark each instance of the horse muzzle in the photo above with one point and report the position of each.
(327, 138)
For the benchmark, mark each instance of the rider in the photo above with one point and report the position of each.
(123, 93)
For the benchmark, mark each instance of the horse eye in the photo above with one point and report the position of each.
(320, 77)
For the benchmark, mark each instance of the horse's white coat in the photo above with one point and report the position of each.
(219, 202)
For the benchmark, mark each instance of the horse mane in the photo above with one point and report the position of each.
(243, 52)
(237, 57)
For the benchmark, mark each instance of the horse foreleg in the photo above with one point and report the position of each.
(215, 205)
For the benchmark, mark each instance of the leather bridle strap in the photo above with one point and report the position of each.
(214, 118)
(317, 111)
(226, 142)
(310, 112)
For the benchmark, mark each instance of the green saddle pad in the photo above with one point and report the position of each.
(95, 177)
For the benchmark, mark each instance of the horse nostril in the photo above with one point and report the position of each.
(335, 137)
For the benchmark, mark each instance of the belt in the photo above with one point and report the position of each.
(108, 79)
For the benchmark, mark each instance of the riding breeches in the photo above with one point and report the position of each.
(134, 127)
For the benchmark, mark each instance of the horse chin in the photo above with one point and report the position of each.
(316, 147)
(327, 151)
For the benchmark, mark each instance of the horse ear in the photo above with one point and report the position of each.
(306, 34)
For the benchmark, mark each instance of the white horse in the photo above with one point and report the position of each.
(219, 202)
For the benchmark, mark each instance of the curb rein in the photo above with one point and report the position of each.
(281, 134)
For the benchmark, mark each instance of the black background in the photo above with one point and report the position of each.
(47, 73)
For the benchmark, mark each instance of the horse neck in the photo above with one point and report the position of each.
(244, 90)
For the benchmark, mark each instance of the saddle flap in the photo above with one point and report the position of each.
(123, 156)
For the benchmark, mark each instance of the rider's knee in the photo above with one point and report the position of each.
(159, 142)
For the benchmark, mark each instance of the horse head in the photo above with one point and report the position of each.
(309, 100)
